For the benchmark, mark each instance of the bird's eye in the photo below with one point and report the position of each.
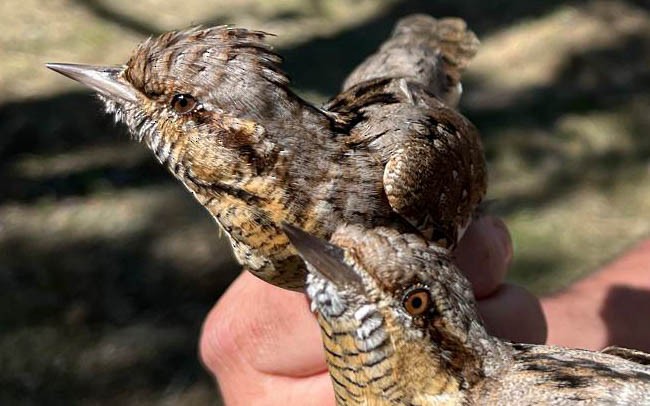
(417, 301)
(183, 103)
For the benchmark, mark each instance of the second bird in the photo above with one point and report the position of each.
(391, 150)
(400, 326)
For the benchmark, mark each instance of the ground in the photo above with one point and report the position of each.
(107, 266)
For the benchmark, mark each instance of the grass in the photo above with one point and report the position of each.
(107, 266)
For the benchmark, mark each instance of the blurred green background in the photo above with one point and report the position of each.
(107, 266)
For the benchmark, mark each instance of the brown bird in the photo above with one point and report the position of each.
(400, 326)
(215, 108)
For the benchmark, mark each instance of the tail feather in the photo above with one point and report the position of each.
(431, 51)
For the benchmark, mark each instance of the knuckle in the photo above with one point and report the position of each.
(218, 343)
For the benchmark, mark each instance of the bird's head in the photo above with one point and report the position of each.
(408, 279)
(393, 293)
(217, 82)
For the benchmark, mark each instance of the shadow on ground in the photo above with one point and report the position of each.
(593, 81)
(620, 312)
(91, 314)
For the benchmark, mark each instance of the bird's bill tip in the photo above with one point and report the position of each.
(102, 79)
(326, 260)
(79, 72)
(60, 67)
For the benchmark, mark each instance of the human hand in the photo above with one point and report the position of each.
(263, 344)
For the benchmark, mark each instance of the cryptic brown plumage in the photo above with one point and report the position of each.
(215, 108)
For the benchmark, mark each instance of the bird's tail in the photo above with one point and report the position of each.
(431, 51)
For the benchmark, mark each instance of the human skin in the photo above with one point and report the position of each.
(263, 344)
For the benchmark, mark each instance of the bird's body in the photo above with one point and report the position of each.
(215, 108)
(400, 327)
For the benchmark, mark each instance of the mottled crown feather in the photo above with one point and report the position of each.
(394, 259)
(201, 57)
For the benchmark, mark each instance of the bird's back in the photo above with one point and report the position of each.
(430, 51)
(559, 376)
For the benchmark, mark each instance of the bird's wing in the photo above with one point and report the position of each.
(637, 356)
(433, 52)
(400, 104)
(434, 169)
(437, 181)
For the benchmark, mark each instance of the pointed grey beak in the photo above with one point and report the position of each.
(102, 79)
(326, 260)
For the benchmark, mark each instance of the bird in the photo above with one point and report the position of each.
(400, 326)
(391, 149)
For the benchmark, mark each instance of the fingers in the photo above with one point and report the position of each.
(514, 314)
(509, 311)
(256, 326)
(256, 388)
(263, 345)
(484, 254)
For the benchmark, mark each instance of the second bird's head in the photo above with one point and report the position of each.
(383, 287)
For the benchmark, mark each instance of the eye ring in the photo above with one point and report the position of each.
(417, 301)
(183, 103)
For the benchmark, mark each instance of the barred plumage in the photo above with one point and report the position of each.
(381, 352)
(386, 151)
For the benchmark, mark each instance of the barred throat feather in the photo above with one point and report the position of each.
(141, 128)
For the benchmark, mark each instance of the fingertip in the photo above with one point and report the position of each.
(514, 314)
(484, 254)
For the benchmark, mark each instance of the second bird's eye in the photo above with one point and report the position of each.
(183, 103)
(417, 301)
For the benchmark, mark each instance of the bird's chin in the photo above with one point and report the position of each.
(324, 297)
(113, 108)
(124, 113)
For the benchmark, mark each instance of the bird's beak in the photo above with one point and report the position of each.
(102, 79)
(326, 260)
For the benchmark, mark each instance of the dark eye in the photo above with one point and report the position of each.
(417, 301)
(183, 103)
